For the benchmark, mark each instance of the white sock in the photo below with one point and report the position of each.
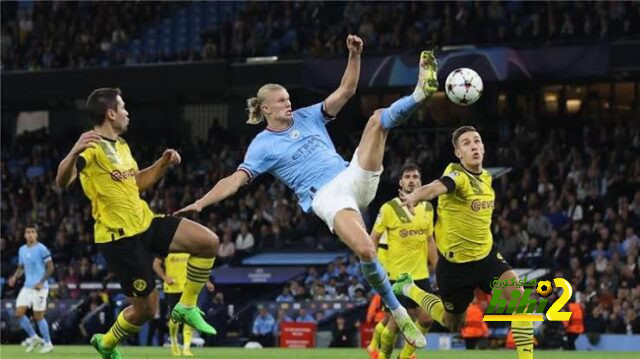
(406, 290)
(399, 312)
(418, 94)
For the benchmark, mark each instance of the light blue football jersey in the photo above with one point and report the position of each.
(302, 156)
(34, 260)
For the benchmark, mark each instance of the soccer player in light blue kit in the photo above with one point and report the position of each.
(34, 260)
(296, 148)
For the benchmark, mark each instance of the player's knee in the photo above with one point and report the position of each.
(145, 313)
(366, 252)
(375, 121)
(207, 245)
(38, 316)
(212, 244)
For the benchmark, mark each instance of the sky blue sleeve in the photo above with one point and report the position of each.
(315, 113)
(257, 160)
(44, 253)
(20, 262)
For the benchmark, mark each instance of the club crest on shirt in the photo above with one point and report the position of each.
(294, 135)
(139, 284)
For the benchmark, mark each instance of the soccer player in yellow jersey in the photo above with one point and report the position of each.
(410, 248)
(126, 231)
(468, 258)
(174, 276)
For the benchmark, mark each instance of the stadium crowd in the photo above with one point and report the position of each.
(571, 204)
(50, 35)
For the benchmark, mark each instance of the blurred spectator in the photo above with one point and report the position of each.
(311, 276)
(227, 249)
(530, 256)
(354, 285)
(360, 297)
(244, 243)
(538, 225)
(263, 328)
(320, 294)
(242, 32)
(218, 315)
(285, 296)
(282, 318)
(304, 317)
(341, 334)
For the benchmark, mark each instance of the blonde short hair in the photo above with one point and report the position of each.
(254, 103)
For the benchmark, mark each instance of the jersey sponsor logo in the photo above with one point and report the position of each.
(118, 176)
(310, 146)
(413, 232)
(294, 135)
(139, 284)
(477, 205)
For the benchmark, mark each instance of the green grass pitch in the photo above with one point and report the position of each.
(71, 352)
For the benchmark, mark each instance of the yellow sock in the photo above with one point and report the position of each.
(375, 339)
(198, 271)
(187, 334)
(387, 342)
(523, 337)
(408, 349)
(119, 330)
(429, 302)
(173, 332)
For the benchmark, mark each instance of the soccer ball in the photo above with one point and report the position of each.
(544, 288)
(463, 86)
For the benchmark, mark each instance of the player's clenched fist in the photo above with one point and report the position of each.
(171, 156)
(354, 44)
(85, 141)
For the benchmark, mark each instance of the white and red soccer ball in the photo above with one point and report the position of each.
(463, 86)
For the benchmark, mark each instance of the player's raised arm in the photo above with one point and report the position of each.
(225, 188)
(67, 171)
(336, 101)
(150, 175)
(425, 193)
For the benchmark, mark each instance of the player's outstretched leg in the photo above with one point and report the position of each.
(187, 334)
(350, 228)
(127, 324)
(522, 330)
(427, 85)
(427, 301)
(202, 244)
(374, 345)
(408, 350)
(33, 339)
(43, 327)
(97, 341)
(371, 147)
(387, 341)
(173, 337)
